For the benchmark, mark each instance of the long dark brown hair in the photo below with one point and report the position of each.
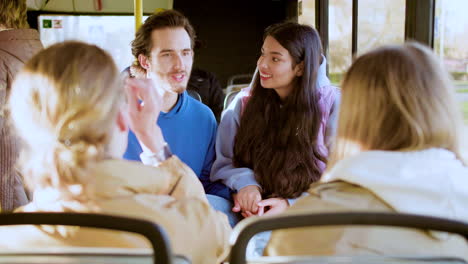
(278, 139)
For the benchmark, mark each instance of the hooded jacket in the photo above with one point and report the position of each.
(431, 182)
(170, 195)
(238, 178)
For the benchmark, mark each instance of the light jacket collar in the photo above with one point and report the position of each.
(322, 79)
(429, 182)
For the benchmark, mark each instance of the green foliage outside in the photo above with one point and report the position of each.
(459, 76)
(335, 78)
(465, 112)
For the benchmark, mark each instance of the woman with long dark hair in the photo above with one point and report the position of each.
(272, 142)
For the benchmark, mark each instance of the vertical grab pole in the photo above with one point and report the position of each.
(138, 13)
(355, 26)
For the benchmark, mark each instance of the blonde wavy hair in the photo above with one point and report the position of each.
(13, 14)
(64, 104)
(397, 98)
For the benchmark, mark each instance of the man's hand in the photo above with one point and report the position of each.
(246, 200)
(144, 106)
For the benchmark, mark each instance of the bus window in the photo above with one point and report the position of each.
(451, 39)
(380, 22)
(340, 30)
(111, 33)
(307, 12)
(451, 44)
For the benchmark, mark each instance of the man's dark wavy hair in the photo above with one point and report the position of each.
(166, 19)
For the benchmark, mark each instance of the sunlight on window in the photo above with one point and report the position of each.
(111, 33)
(307, 12)
(451, 44)
(340, 27)
(380, 22)
(451, 40)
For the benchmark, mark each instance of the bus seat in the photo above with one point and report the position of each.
(239, 79)
(161, 252)
(229, 97)
(238, 82)
(195, 95)
(83, 255)
(233, 89)
(249, 227)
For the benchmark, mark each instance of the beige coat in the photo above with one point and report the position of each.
(431, 182)
(130, 189)
(16, 47)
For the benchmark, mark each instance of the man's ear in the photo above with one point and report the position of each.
(299, 68)
(144, 61)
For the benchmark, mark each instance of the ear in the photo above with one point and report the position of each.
(299, 68)
(121, 122)
(144, 61)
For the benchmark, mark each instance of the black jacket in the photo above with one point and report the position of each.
(207, 85)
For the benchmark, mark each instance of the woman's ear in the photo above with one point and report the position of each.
(121, 122)
(144, 61)
(299, 68)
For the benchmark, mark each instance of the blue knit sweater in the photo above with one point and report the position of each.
(190, 130)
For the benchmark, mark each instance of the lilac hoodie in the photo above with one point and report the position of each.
(238, 178)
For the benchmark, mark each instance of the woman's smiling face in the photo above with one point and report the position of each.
(276, 67)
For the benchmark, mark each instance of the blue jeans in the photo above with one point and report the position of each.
(257, 245)
(258, 242)
(220, 204)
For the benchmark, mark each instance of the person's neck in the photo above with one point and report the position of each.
(282, 93)
(169, 101)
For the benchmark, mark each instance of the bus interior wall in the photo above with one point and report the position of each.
(231, 32)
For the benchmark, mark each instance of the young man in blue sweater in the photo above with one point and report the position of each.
(163, 47)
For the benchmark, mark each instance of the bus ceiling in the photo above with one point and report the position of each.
(98, 6)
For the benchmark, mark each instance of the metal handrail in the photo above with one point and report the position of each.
(138, 13)
(233, 78)
(151, 231)
(242, 235)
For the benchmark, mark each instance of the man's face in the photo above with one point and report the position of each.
(171, 56)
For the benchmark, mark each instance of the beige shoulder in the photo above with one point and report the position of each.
(171, 177)
(338, 196)
(331, 197)
(119, 177)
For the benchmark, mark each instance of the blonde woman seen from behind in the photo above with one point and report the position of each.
(68, 106)
(398, 150)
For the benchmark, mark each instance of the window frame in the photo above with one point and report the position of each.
(419, 23)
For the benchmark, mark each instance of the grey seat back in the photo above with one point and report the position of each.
(154, 233)
(83, 255)
(248, 228)
(195, 95)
